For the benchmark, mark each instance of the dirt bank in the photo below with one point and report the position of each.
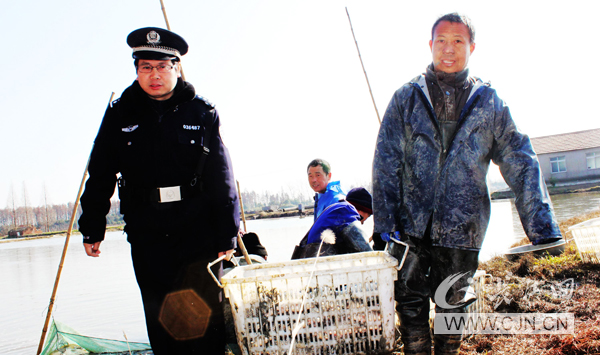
(531, 286)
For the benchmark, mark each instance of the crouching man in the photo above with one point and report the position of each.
(338, 228)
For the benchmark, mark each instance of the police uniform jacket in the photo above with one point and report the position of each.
(417, 182)
(156, 144)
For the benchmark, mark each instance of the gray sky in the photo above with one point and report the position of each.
(284, 76)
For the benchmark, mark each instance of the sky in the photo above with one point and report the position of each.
(284, 75)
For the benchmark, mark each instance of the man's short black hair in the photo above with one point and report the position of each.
(320, 162)
(455, 17)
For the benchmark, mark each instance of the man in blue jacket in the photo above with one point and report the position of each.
(326, 191)
(438, 136)
(177, 194)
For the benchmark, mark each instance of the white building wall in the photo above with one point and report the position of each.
(576, 162)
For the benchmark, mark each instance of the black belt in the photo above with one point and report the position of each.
(159, 194)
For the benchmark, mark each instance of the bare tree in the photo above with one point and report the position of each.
(12, 202)
(26, 205)
(46, 215)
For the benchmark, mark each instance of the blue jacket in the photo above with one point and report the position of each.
(336, 218)
(415, 179)
(332, 194)
(344, 221)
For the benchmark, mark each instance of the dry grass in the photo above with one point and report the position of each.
(584, 302)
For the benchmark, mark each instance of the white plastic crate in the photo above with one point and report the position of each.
(587, 239)
(349, 306)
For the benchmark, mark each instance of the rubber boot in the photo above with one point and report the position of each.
(416, 340)
(446, 344)
(412, 296)
(415, 331)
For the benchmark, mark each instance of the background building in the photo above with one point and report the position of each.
(569, 158)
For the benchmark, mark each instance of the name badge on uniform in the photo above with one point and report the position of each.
(169, 194)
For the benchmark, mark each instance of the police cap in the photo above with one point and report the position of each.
(156, 44)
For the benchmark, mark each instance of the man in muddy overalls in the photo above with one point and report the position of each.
(438, 136)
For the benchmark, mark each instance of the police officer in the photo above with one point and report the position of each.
(161, 142)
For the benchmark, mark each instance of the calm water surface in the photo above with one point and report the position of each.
(99, 296)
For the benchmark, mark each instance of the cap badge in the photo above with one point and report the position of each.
(153, 37)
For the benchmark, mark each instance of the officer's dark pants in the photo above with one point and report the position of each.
(182, 302)
(425, 268)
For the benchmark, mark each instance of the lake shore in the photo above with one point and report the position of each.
(308, 211)
(552, 190)
(6, 239)
(249, 216)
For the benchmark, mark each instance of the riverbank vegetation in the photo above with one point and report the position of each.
(49, 219)
(55, 218)
(559, 284)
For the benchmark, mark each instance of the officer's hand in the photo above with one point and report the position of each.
(92, 249)
(229, 254)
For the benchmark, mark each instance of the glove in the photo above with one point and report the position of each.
(386, 237)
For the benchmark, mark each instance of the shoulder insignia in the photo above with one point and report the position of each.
(114, 102)
(206, 101)
(130, 128)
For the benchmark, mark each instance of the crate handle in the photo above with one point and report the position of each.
(208, 267)
(405, 252)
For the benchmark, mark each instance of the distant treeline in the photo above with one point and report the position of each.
(254, 202)
(49, 218)
(52, 218)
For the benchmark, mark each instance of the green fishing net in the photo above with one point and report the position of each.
(61, 339)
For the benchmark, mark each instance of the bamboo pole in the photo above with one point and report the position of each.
(240, 242)
(64, 253)
(363, 66)
(164, 11)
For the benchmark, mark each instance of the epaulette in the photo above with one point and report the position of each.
(114, 102)
(206, 101)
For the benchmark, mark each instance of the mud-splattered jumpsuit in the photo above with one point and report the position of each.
(433, 192)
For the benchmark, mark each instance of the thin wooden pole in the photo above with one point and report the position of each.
(164, 11)
(363, 66)
(64, 253)
(240, 242)
(162, 6)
